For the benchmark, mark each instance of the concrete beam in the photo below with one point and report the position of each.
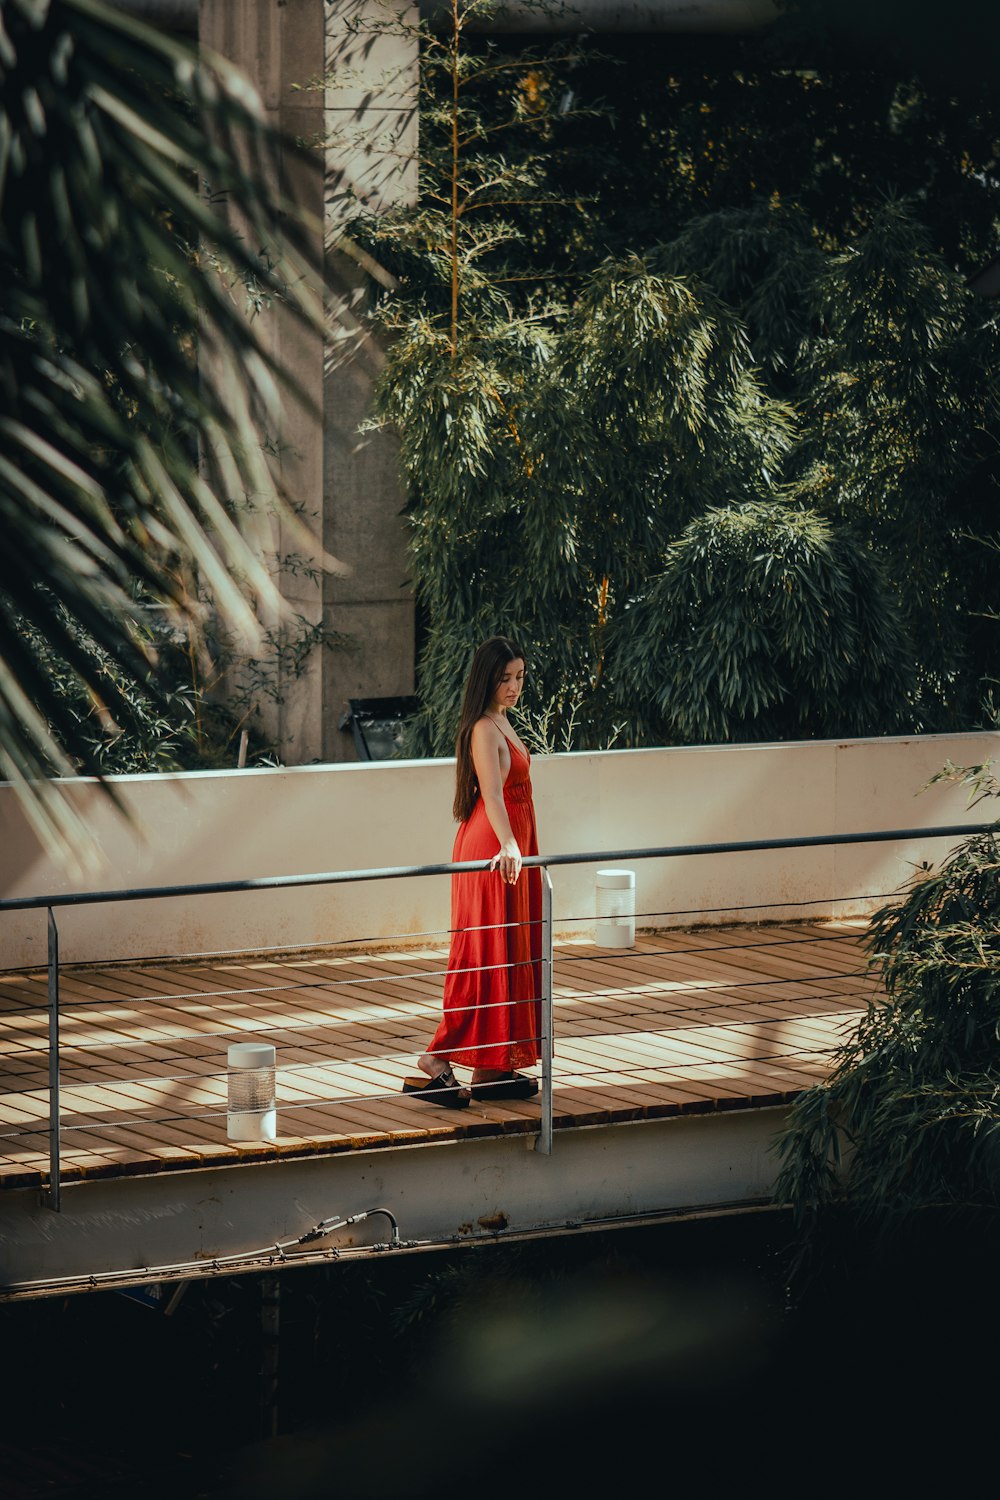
(176, 1225)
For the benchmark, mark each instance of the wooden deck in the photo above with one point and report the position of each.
(687, 1021)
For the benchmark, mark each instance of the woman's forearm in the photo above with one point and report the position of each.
(496, 811)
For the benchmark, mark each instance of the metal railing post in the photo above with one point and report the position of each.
(544, 1141)
(53, 1193)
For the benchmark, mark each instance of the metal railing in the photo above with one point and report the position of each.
(545, 1037)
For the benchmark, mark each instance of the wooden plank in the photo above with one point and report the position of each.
(376, 1123)
(171, 1142)
(698, 1047)
(30, 991)
(634, 1069)
(686, 1065)
(834, 952)
(634, 979)
(725, 945)
(627, 1090)
(754, 965)
(746, 1000)
(756, 1034)
(370, 979)
(713, 972)
(412, 1121)
(314, 1000)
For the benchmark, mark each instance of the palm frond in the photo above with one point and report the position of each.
(140, 197)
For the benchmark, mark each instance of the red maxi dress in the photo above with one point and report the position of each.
(492, 1004)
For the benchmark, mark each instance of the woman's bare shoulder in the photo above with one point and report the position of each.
(486, 730)
(487, 738)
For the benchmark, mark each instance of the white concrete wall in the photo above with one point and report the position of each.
(235, 825)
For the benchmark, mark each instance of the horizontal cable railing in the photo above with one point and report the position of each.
(380, 940)
(539, 861)
(110, 1065)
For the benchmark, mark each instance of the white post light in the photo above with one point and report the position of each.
(251, 1113)
(615, 926)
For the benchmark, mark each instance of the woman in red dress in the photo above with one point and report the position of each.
(492, 1008)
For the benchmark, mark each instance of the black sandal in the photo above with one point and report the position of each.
(507, 1086)
(444, 1090)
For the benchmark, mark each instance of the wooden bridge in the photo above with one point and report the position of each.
(674, 1064)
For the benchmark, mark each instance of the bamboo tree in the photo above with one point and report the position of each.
(681, 429)
(489, 119)
(767, 622)
(891, 362)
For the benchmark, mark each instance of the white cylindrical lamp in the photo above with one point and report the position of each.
(615, 925)
(251, 1109)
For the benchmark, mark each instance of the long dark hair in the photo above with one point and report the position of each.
(485, 675)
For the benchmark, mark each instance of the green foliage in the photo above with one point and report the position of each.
(490, 117)
(207, 690)
(823, 400)
(164, 722)
(891, 363)
(766, 623)
(125, 460)
(555, 464)
(899, 397)
(833, 108)
(734, 484)
(909, 1120)
(557, 725)
(542, 515)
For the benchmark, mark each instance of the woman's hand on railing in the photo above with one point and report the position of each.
(507, 861)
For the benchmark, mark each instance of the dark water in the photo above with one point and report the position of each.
(646, 1356)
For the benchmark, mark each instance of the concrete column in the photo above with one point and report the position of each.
(345, 486)
(371, 103)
